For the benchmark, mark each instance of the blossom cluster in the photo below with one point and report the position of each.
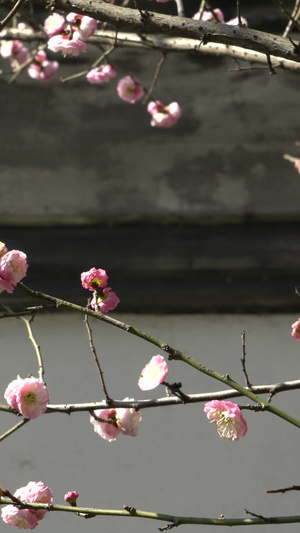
(69, 35)
(33, 492)
(13, 268)
(40, 67)
(29, 396)
(104, 299)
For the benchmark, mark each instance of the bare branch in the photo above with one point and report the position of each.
(130, 19)
(10, 15)
(285, 489)
(168, 400)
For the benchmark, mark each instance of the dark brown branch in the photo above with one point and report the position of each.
(10, 15)
(93, 350)
(243, 359)
(285, 489)
(129, 19)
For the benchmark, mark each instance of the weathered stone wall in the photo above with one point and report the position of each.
(76, 153)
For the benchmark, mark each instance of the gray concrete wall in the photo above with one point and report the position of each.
(177, 464)
(76, 153)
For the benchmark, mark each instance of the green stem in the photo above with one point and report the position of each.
(172, 519)
(35, 345)
(13, 429)
(173, 353)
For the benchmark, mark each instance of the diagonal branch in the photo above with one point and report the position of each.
(127, 19)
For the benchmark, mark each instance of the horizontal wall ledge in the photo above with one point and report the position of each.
(166, 268)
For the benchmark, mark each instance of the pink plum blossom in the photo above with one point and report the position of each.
(13, 268)
(29, 396)
(105, 300)
(164, 116)
(21, 518)
(125, 420)
(296, 330)
(54, 24)
(68, 46)
(128, 420)
(228, 418)
(154, 373)
(15, 51)
(130, 89)
(35, 492)
(208, 16)
(94, 278)
(101, 74)
(85, 26)
(106, 431)
(41, 69)
(71, 497)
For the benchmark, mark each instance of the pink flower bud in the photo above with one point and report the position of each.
(228, 418)
(71, 497)
(164, 116)
(130, 89)
(94, 279)
(153, 374)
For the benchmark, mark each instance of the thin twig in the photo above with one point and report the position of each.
(94, 65)
(238, 12)
(27, 322)
(93, 349)
(10, 15)
(243, 359)
(285, 489)
(180, 8)
(267, 520)
(214, 14)
(14, 428)
(294, 16)
(155, 78)
(285, 11)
